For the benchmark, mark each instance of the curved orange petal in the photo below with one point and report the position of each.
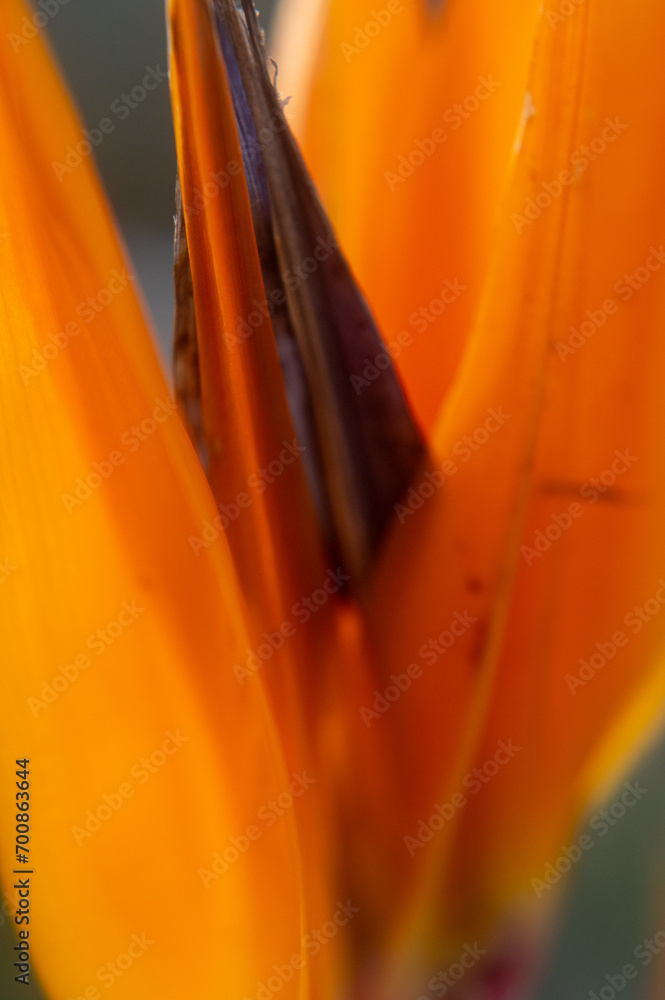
(146, 756)
(547, 532)
(268, 519)
(274, 536)
(298, 638)
(408, 120)
(576, 643)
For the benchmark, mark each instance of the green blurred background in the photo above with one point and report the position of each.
(616, 893)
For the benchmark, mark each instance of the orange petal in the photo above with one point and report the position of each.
(146, 755)
(271, 525)
(575, 645)
(295, 643)
(549, 584)
(408, 127)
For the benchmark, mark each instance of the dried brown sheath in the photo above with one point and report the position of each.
(364, 446)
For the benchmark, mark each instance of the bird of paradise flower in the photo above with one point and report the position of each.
(321, 715)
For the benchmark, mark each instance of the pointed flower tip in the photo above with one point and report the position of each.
(362, 444)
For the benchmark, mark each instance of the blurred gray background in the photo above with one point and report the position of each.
(617, 891)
